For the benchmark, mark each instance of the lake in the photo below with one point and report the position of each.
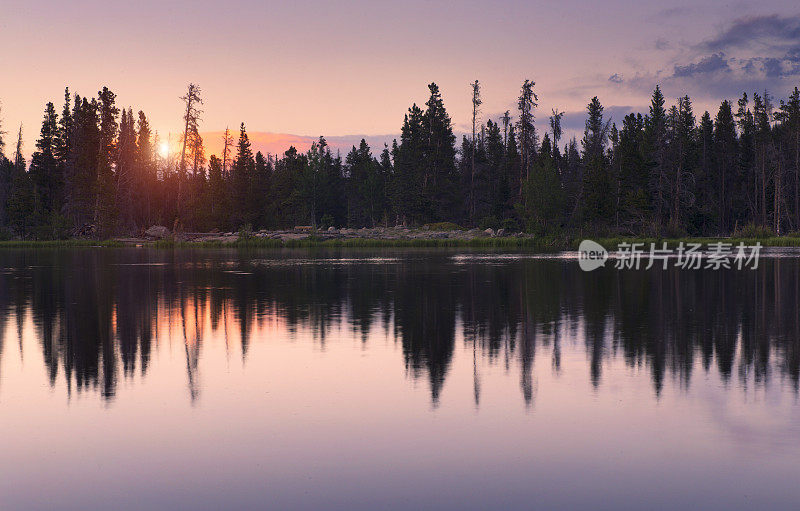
(139, 378)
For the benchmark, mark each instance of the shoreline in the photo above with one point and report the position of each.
(386, 238)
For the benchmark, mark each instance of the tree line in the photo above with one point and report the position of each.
(96, 172)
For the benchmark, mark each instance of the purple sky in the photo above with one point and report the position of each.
(352, 68)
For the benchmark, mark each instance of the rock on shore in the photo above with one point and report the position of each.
(158, 232)
(304, 232)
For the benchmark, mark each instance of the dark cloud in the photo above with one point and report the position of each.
(748, 54)
(772, 30)
(707, 65)
(662, 44)
(718, 65)
(615, 78)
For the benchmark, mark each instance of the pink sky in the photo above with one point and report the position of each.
(353, 68)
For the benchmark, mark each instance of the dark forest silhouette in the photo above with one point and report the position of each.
(95, 172)
(97, 312)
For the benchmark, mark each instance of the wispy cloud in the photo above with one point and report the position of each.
(662, 44)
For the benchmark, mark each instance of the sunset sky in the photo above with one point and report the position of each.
(346, 69)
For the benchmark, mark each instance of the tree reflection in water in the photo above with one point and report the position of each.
(98, 312)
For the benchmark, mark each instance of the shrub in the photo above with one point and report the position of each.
(753, 231)
(246, 232)
(489, 222)
(326, 221)
(442, 226)
(510, 225)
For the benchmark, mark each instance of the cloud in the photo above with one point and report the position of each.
(662, 44)
(771, 31)
(766, 47)
(615, 78)
(712, 64)
(747, 54)
(720, 74)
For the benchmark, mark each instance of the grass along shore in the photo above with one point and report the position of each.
(390, 238)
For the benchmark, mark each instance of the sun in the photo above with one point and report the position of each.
(163, 149)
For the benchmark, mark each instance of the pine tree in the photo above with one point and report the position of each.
(197, 152)
(241, 178)
(705, 220)
(260, 191)
(762, 112)
(655, 154)
(386, 170)
(725, 151)
(543, 199)
(440, 179)
(227, 145)
(105, 212)
(44, 168)
(789, 115)
(681, 126)
(6, 175)
(513, 170)
(217, 202)
(146, 180)
(745, 121)
(408, 179)
(126, 171)
(6, 178)
(634, 203)
(476, 103)
(191, 119)
(527, 139)
(597, 200)
(365, 187)
(64, 140)
(497, 178)
(63, 150)
(286, 180)
(81, 172)
(21, 206)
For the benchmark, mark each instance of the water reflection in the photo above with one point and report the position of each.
(99, 313)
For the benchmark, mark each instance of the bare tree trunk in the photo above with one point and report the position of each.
(181, 164)
(476, 101)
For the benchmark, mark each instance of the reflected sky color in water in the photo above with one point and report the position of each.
(208, 379)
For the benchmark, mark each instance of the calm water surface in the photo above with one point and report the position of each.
(213, 379)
